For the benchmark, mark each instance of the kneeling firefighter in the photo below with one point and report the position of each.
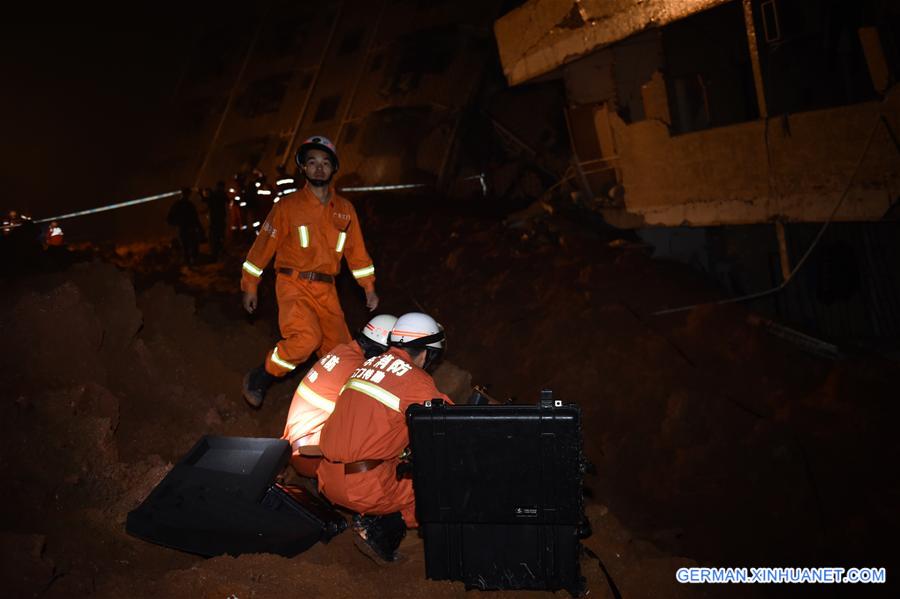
(366, 434)
(318, 392)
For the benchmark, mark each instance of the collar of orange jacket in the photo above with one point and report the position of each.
(308, 189)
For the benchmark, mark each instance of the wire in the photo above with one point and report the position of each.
(109, 207)
(809, 250)
(609, 579)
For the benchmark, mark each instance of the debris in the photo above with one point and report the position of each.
(805, 342)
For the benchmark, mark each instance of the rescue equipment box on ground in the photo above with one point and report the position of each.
(499, 493)
(222, 498)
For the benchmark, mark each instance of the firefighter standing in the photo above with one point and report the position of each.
(308, 232)
(366, 433)
(237, 207)
(259, 200)
(284, 182)
(11, 221)
(317, 393)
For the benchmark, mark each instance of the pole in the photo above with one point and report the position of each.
(231, 96)
(359, 75)
(754, 59)
(312, 87)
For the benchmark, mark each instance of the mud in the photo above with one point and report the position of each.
(714, 442)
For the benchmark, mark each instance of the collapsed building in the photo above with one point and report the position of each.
(411, 93)
(712, 441)
(387, 81)
(727, 132)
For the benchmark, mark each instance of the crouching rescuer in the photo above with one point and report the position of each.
(308, 232)
(366, 434)
(317, 393)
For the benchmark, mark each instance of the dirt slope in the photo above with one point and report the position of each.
(714, 443)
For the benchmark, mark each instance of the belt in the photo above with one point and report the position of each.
(306, 274)
(358, 466)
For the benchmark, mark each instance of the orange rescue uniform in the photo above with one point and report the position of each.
(306, 235)
(369, 423)
(317, 393)
(55, 236)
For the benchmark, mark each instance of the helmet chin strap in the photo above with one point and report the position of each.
(370, 347)
(432, 354)
(420, 342)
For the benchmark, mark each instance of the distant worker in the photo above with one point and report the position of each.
(54, 235)
(204, 197)
(308, 232)
(317, 393)
(285, 183)
(366, 434)
(237, 207)
(23, 227)
(11, 221)
(183, 215)
(217, 207)
(23, 239)
(260, 198)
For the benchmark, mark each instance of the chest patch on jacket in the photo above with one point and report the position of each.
(341, 220)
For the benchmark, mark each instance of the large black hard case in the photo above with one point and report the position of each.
(499, 493)
(221, 497)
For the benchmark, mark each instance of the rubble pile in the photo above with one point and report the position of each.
(106, 389)
(714, 442)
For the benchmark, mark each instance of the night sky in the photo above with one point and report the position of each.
(81, 98)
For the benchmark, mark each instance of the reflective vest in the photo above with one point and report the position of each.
(306, 235)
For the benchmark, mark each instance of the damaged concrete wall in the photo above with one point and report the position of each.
(384, 82)
(616, 74)
(541, 35)
(278, 84)
(793, 168)
(404, 115)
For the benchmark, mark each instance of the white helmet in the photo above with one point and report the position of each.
(379, 328)
(417, 330)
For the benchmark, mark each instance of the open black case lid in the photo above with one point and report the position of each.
(221, 497)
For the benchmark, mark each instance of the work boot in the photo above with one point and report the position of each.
(256, 383)
(379, 536)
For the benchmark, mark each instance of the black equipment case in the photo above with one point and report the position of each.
(499, 493)
(222, 498)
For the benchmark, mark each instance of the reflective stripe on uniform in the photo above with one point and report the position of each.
(315, 399)
(281, 362)
(364, 272)
(304, 236)
(412, 334)
(252, 268)
(342, 238)
(375, 392)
